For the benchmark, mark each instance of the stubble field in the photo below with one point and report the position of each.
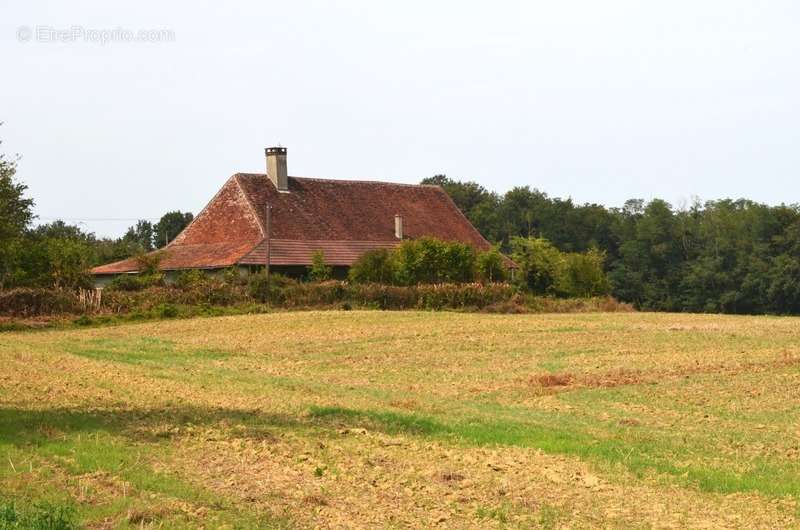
(407, 419)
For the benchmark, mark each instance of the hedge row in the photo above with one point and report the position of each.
(25, 302)
(322, 294)
(493, 297)
(206, 294)
(379, 296)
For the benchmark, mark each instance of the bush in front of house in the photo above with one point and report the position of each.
(126, 282)
(263, 289)
(211, 291)
(374, 266)
(427, 261)
(491, 266)
(190, 278)
(136, 282)
(24, 302)
(462, 296)
(382, 296)
(430, 260)
(319, 271)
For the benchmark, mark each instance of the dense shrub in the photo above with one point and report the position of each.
(136, 282)
(319, 270)
(541, 264)
(24, 302)
(233, 276)
(380, 296)
(122, 301)
(190, 278)
(583, 275)
(374, 266)
(463, 296)
(167, 311)
(545, 270)
(126, 282)
(148, 264)
(211, 292)
(56, 262)
(429, 260)
(215, 297)
(605, 304)
(491, 266)
(311, 294)
(263, 289)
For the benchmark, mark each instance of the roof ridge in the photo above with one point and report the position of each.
(387, 240)
(202, 211)
(347, 181)
(261, 225)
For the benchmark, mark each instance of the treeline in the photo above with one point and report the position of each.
(732, 256)
(59, 255)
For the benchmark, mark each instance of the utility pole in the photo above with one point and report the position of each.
(268, 229)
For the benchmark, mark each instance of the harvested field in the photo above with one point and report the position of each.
(408, 419)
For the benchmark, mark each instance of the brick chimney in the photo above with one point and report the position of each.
(276, 167)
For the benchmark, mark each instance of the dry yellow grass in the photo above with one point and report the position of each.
(408, 419)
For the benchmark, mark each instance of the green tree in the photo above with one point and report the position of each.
(541, 264)
(57, 255)
(169, 226)
(479, 205)
(374, 266)
(430, 260)
(491, 266)
(140, 237)
(16, 213)
(68, 263)
(583, 275)
(784, 285)
(319, 271)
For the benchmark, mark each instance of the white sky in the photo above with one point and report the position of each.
(599, 101)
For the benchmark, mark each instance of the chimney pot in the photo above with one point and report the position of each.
(398, 226)
(276, 167)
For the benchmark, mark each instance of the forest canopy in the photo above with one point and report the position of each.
(732, 256)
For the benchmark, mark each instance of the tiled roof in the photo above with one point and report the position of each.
(340, 217)
(219, 236)
(296, 252)
(177, 257)
(348, 210)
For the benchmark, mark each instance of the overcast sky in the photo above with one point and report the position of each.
(598, 101)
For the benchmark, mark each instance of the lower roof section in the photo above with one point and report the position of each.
(300, 252)
(178, 256)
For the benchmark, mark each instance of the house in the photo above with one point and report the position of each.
(342, 218)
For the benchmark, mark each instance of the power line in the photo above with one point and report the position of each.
(98, 219)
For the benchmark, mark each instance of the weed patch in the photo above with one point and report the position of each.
(37, 517)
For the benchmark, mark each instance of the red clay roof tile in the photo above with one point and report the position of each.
(340, 217)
